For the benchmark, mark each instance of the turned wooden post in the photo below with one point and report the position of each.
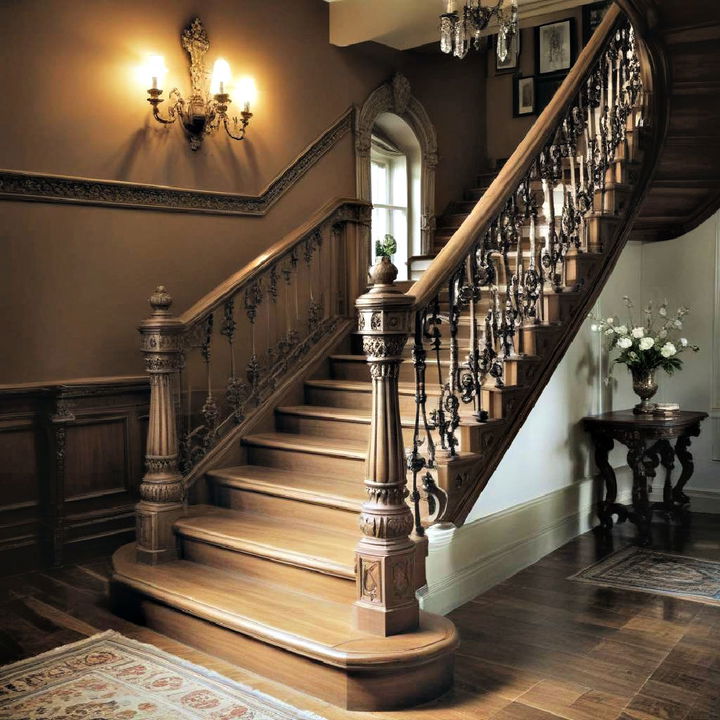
(385, 556)
(161, 490)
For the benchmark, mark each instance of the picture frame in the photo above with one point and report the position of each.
(524, 96)
(592, 16)
(512, 61)
(555, 47)
(545, 89)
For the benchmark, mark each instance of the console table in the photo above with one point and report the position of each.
(649, 440)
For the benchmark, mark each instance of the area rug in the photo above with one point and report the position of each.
(111, 677)
(636, 568)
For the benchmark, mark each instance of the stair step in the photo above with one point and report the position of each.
(282, 632)
(304, 545)
(355, 394)
(307, 453)
(306, 497)
(335, 422)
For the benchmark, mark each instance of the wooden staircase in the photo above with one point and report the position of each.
(263, 566)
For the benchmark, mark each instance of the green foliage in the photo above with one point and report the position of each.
(386, 247)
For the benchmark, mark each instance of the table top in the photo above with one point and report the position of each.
(627, 418)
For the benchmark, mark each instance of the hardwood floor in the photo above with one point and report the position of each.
(535, 647)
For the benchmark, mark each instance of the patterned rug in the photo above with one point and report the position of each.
(636, 568)
(111, 677)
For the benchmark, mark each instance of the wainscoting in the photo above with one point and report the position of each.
(71, 459)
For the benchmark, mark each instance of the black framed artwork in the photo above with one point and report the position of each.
(545, 88)
(555, 47)
(524, 101)
(512, 60)
(592, 16)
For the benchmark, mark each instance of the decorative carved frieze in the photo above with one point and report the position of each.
(38, 187)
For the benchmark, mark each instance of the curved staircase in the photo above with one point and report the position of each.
(248, 540)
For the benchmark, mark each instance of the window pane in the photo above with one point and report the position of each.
(380, 224)
(399, 228)
(399, 182)
(379, 184)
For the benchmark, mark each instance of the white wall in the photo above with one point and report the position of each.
(543, 493)
(685, 272)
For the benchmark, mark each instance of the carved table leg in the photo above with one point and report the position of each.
(608, 507)
(642, 512)
(688, 467)
(667, 456)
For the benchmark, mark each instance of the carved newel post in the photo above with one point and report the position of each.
(385, 556)
(161, 490)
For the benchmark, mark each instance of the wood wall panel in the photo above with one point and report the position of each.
(71, 460)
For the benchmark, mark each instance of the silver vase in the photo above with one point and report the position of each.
(645, 387)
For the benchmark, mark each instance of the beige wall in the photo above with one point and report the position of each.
(74, 280)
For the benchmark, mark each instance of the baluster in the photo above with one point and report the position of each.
(385, 556)
(161, 489)
(253, 299)
(210, 412)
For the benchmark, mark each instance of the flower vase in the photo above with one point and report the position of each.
(645, 387)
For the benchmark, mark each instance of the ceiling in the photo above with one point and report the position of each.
(404, 24)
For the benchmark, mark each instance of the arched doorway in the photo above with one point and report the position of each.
(396, 156)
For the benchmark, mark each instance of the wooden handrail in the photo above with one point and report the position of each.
(514, 170)
(262, 262)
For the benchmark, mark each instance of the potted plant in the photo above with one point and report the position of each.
(643, 348)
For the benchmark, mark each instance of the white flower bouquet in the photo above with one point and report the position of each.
(654, 343)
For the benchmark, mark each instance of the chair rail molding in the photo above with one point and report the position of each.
(41, 187)
(395, 96)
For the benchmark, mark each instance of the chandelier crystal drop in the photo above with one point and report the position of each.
(461, 26)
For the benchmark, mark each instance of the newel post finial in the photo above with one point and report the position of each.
(161, 489)
(385, 556)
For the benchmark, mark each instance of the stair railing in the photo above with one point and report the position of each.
(214, 365)
(497, 274)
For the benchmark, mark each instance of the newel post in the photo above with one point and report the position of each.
(385, 556)
(161, 490)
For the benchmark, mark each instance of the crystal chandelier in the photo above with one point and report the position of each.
(460, 28)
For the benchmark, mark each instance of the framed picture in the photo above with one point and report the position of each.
(592, 16)
(555, 47)
(545, 88)
(524, 96)
(513, 57)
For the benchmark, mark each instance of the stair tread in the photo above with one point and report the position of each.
(291, 483)
(279, 614)
(303, 544)
(338, 447)
(329, 412)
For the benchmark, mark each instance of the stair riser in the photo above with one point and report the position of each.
(501, 404)
(385, 689)
(306, 462)
(352, 399)
(331, 587)
(276, 506)
(331, 428)
(536, 340)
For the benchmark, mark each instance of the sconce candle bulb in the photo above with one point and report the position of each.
(204, 112)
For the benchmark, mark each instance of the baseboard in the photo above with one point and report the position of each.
(704, 501)
(464, 562)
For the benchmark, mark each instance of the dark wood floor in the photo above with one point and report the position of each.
(535, 647)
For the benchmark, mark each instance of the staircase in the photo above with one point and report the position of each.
(248, 542)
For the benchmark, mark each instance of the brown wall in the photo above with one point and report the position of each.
(504, 131)
(74, 280)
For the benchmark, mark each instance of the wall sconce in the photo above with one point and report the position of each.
(201, 115)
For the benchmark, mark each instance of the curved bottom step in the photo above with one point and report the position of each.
(303, 641)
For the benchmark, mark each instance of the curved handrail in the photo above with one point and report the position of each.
(514, 170)
(229, 287)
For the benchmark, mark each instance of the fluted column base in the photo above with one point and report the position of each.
(155, 537)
